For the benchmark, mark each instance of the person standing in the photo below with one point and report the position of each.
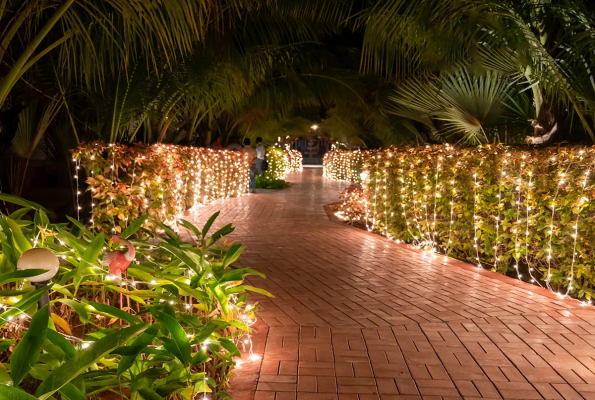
(249, 150)
(260, 156)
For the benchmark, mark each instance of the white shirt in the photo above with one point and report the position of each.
(260, 151)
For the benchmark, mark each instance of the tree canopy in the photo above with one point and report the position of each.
(370, 72)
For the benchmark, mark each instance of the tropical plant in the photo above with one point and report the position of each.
(171, 328)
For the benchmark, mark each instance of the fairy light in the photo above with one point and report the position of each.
(575, 235)
(77, 166)
(163, 180)
(528, 209)
(453, 192)
(549, 256)
(384, 196)
(404, 196)
(475, 217)
(436, 194)
(420, 176)
(295, 159)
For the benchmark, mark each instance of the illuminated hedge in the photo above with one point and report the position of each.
(295, 160)
(278, 163)
(343, 165)
(527, 212)
(161, 180)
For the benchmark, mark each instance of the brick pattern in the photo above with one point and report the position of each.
(358, 317)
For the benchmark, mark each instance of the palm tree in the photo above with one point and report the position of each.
(545, 46)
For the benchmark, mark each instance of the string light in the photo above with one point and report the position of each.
(421, 176)
(164, 180)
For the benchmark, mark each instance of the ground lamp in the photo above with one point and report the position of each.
(39, 258)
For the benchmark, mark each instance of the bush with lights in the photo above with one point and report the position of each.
(344, 165)
(525, 212)
(295, 160)
(161, 180)
(174, 325)
(278, 163)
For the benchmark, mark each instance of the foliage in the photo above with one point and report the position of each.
(263, 182)
(295, 160)
(344, 165)
(173, 334)
(278, 164)
(162, 181)
(526, 212)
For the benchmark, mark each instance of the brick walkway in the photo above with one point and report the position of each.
(357, 317)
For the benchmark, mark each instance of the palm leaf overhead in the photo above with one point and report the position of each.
(467, 105)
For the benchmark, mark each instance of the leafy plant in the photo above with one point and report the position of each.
(263, 182)
(174, 331)
(523, 212)
(161, 181)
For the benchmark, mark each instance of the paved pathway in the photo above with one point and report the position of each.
(357, 317)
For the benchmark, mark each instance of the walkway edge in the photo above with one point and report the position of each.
(573, 303)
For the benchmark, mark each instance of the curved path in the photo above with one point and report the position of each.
(358, 317)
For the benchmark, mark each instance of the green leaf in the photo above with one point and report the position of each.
(25, 355)
(239, 274)
(85, 358)
(91, 254)
(18, 214)
(5, 344)
(71, 392)
(25, 303)
(232, 254)
(224, 395)
(230, 346)
(226, 230)
(207, 331)
(16, 275)
(257, 290)
(134, 227)
(18, 239)
(79, 308)
(221, 296)
(149, 394)
(12, 393)
(180, 254)
(81, 226)
(60, 341)
(136, 348)
(180, 345)
(191, 228)
(199, 358)
(115, 312)
(207, 227)
(20, 201)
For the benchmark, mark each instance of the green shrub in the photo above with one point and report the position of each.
(161, 180)
(278, 163)
(264, 182)
(526, 212)
(175, 332)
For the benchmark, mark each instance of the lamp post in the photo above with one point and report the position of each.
(40, 258)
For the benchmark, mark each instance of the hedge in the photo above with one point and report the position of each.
(161, 180)
(524, 212)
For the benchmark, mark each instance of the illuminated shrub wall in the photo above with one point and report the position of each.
(278, 163)
(344, 165)
(523, 211)
(295, 160)
(161, 180)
